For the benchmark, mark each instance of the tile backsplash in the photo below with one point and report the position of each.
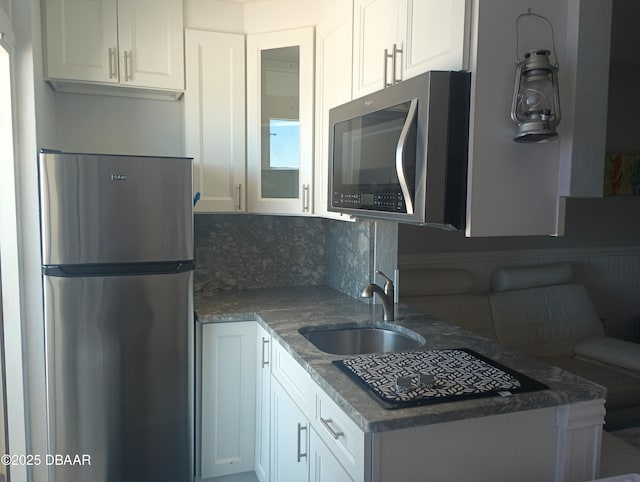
(244, 251)
(250, 251)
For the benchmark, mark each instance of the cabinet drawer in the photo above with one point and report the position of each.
(343, 437)
(293, 378)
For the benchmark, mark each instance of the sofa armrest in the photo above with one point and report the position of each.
(611, 351)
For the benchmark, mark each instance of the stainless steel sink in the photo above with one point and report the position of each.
(351, 339)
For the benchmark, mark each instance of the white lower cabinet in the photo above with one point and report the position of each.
(263, 404)
(311, 437)
(323, 465)
(259, 409)
(227, 382)
(289, 438)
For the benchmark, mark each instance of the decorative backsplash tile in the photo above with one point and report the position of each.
(349, 256)
(251, 251)
(243, 251)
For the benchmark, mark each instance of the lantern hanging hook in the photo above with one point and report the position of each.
(529, 13)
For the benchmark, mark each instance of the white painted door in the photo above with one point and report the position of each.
(280, 73)
(151, 45)
(323, 465)
(376, 27)
(82, 40)
(334, 55)
(263, 403)
(436, 35)
(289, 438)
(214, 103)
(228, 384)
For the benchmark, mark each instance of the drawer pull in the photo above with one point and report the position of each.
(300, 429)
(325, 423)
(265, 360)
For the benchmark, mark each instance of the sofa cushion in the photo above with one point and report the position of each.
(611, 351)
(523, 277)
(622, 390)
(471, 311)
(546, 321)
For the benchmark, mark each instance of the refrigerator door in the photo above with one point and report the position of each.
(104, 209)
(120, 376)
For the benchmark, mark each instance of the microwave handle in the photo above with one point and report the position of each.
(400, 148)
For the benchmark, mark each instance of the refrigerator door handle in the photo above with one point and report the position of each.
(125, 269)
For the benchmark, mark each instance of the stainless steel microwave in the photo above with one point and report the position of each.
(401, 153)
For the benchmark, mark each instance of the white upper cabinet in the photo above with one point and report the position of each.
(82, 40)
(584, 97)
(517, 189)
(417, 36)
(280, 70)
(135, 43)
(334, 55)
(214, 103)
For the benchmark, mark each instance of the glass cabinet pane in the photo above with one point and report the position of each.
(280, 122)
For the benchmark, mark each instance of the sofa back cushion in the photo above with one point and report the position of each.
(545, 322)
(521, 277)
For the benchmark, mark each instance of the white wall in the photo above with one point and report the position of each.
(214, 15)
(281, 15)
(118, 125)
(34, 113)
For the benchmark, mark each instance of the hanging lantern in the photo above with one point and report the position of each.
(536, 103)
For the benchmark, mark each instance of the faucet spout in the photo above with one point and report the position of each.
(385, 295)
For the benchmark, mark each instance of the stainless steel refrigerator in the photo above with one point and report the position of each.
(117, 264)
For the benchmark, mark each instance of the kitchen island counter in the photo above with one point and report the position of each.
(283, 311)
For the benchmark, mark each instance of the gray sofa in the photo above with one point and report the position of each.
(541, 311)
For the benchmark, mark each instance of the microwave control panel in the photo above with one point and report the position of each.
(383, 201)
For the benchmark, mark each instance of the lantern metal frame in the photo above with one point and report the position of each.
(536, 62)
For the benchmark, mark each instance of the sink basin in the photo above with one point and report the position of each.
(354, 339)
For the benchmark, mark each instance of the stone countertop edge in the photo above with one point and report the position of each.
(283, 311)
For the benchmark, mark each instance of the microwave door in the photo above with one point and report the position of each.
(401, 151)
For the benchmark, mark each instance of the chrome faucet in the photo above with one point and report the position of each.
(385, 295)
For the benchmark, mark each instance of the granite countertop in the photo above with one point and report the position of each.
(283, 311)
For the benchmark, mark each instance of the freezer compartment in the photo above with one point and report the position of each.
(120, 376)
(100, 209)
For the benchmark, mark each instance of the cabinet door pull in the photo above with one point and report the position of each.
(300, 429)
(239, 205)
(265, 361)
(394, 57)
(305, 198)
(387, 56)
(325, 423)
(113, 73)
(128, 65)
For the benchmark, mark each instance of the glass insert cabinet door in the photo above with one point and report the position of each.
(279, 121)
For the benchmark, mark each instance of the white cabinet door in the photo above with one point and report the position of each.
(334, 56)
(280, 121)
(138, 43)
(82, 40)
(376, 25)
(435, 35)
(429, 34)
(289, 438)
(263, 404)
(323, 465)
(227, 407)
(151, 47)
(215, 119)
